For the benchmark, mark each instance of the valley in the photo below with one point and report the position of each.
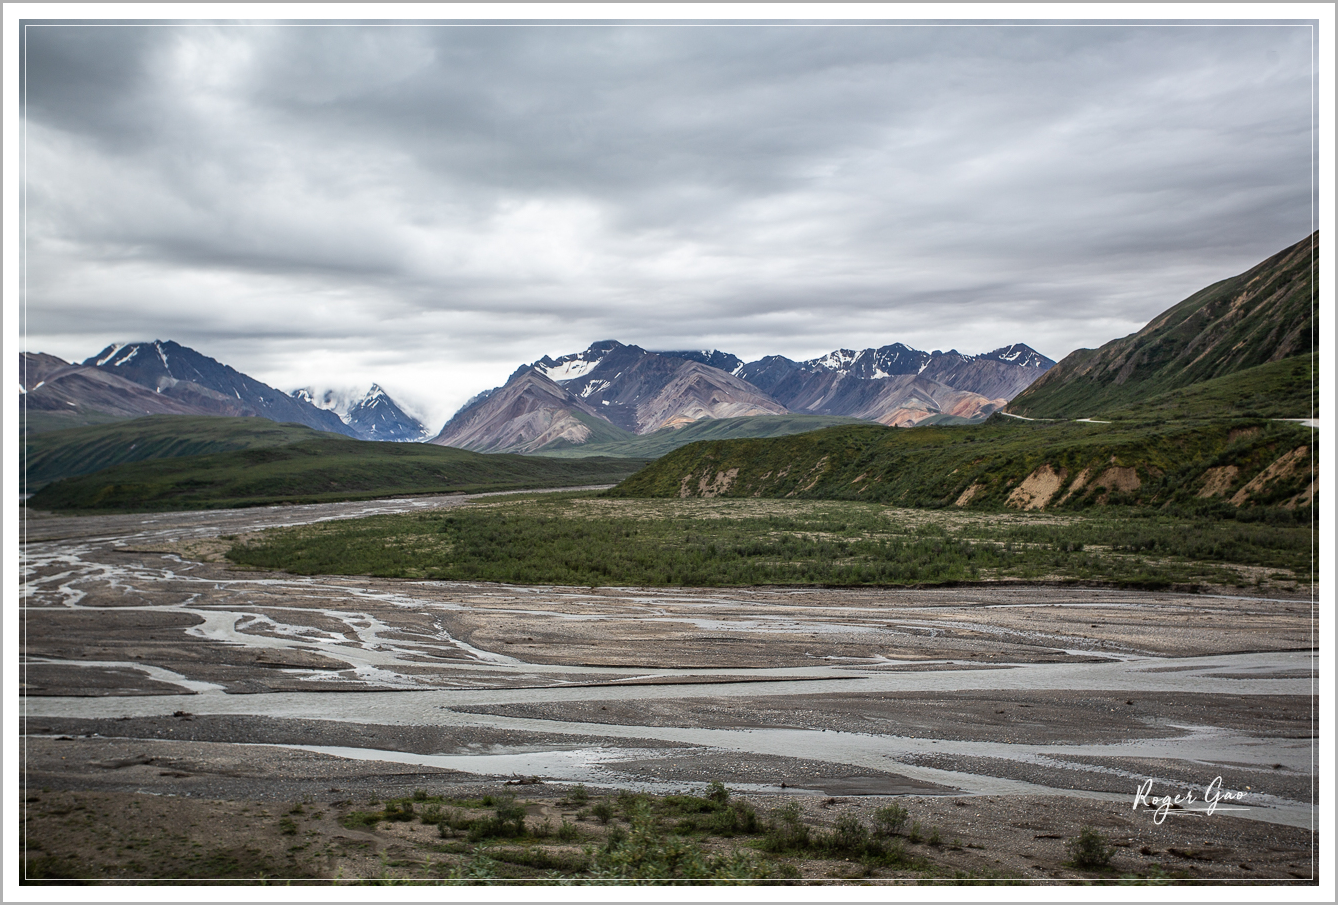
(1004, 717)
(782, 640)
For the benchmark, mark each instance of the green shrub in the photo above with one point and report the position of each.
(849, 836)
(738, 818)
(507, 822)
(889, 820)
(1089, 849)
(786, 831)
(643, 853)
(716, 792)
(356, 820)
(399, 811)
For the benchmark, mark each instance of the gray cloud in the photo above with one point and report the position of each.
(427, 206)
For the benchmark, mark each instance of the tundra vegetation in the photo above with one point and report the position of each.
(712, 837)
(588, 540)
(1172, 465)
(174, 463)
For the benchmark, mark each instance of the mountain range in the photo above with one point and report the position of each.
(130, 380)
(608, 395)
(612, 391)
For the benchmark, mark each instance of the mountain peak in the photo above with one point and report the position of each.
(1020, 354)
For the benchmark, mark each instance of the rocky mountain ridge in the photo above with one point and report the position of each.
(561, 401)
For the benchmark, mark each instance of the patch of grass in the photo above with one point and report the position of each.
(356, 820)
(507, 822)
(543, 859)
(713, 814)
(399, 812)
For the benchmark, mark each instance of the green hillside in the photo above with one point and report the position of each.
(1264, 315)
(36, 422)
(1280, 389)
(656, 444)
(65, 453)
(324, 468)
(1004, 463)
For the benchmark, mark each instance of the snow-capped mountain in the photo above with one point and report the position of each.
(576, 365)
(1019, 355)
(205, 385)
(609, 389)
(564, 400)
(373, 415)
(377, 417)
(127, 380)
(830, 384)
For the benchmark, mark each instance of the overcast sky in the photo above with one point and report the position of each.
(430, 206)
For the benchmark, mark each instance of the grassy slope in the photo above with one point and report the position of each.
(322, 469)
(660, 442)
(934, 466)
(66, 453)
(41, 422)
(1279, 389)
(1228, 327)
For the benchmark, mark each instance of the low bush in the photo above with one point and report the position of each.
(889, 820)
(786, 831)
(1089, 849)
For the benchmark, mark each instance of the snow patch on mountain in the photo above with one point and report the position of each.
(577, 364)
(562, 371)
(338, 400)
(835, 361)
(111, 353)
